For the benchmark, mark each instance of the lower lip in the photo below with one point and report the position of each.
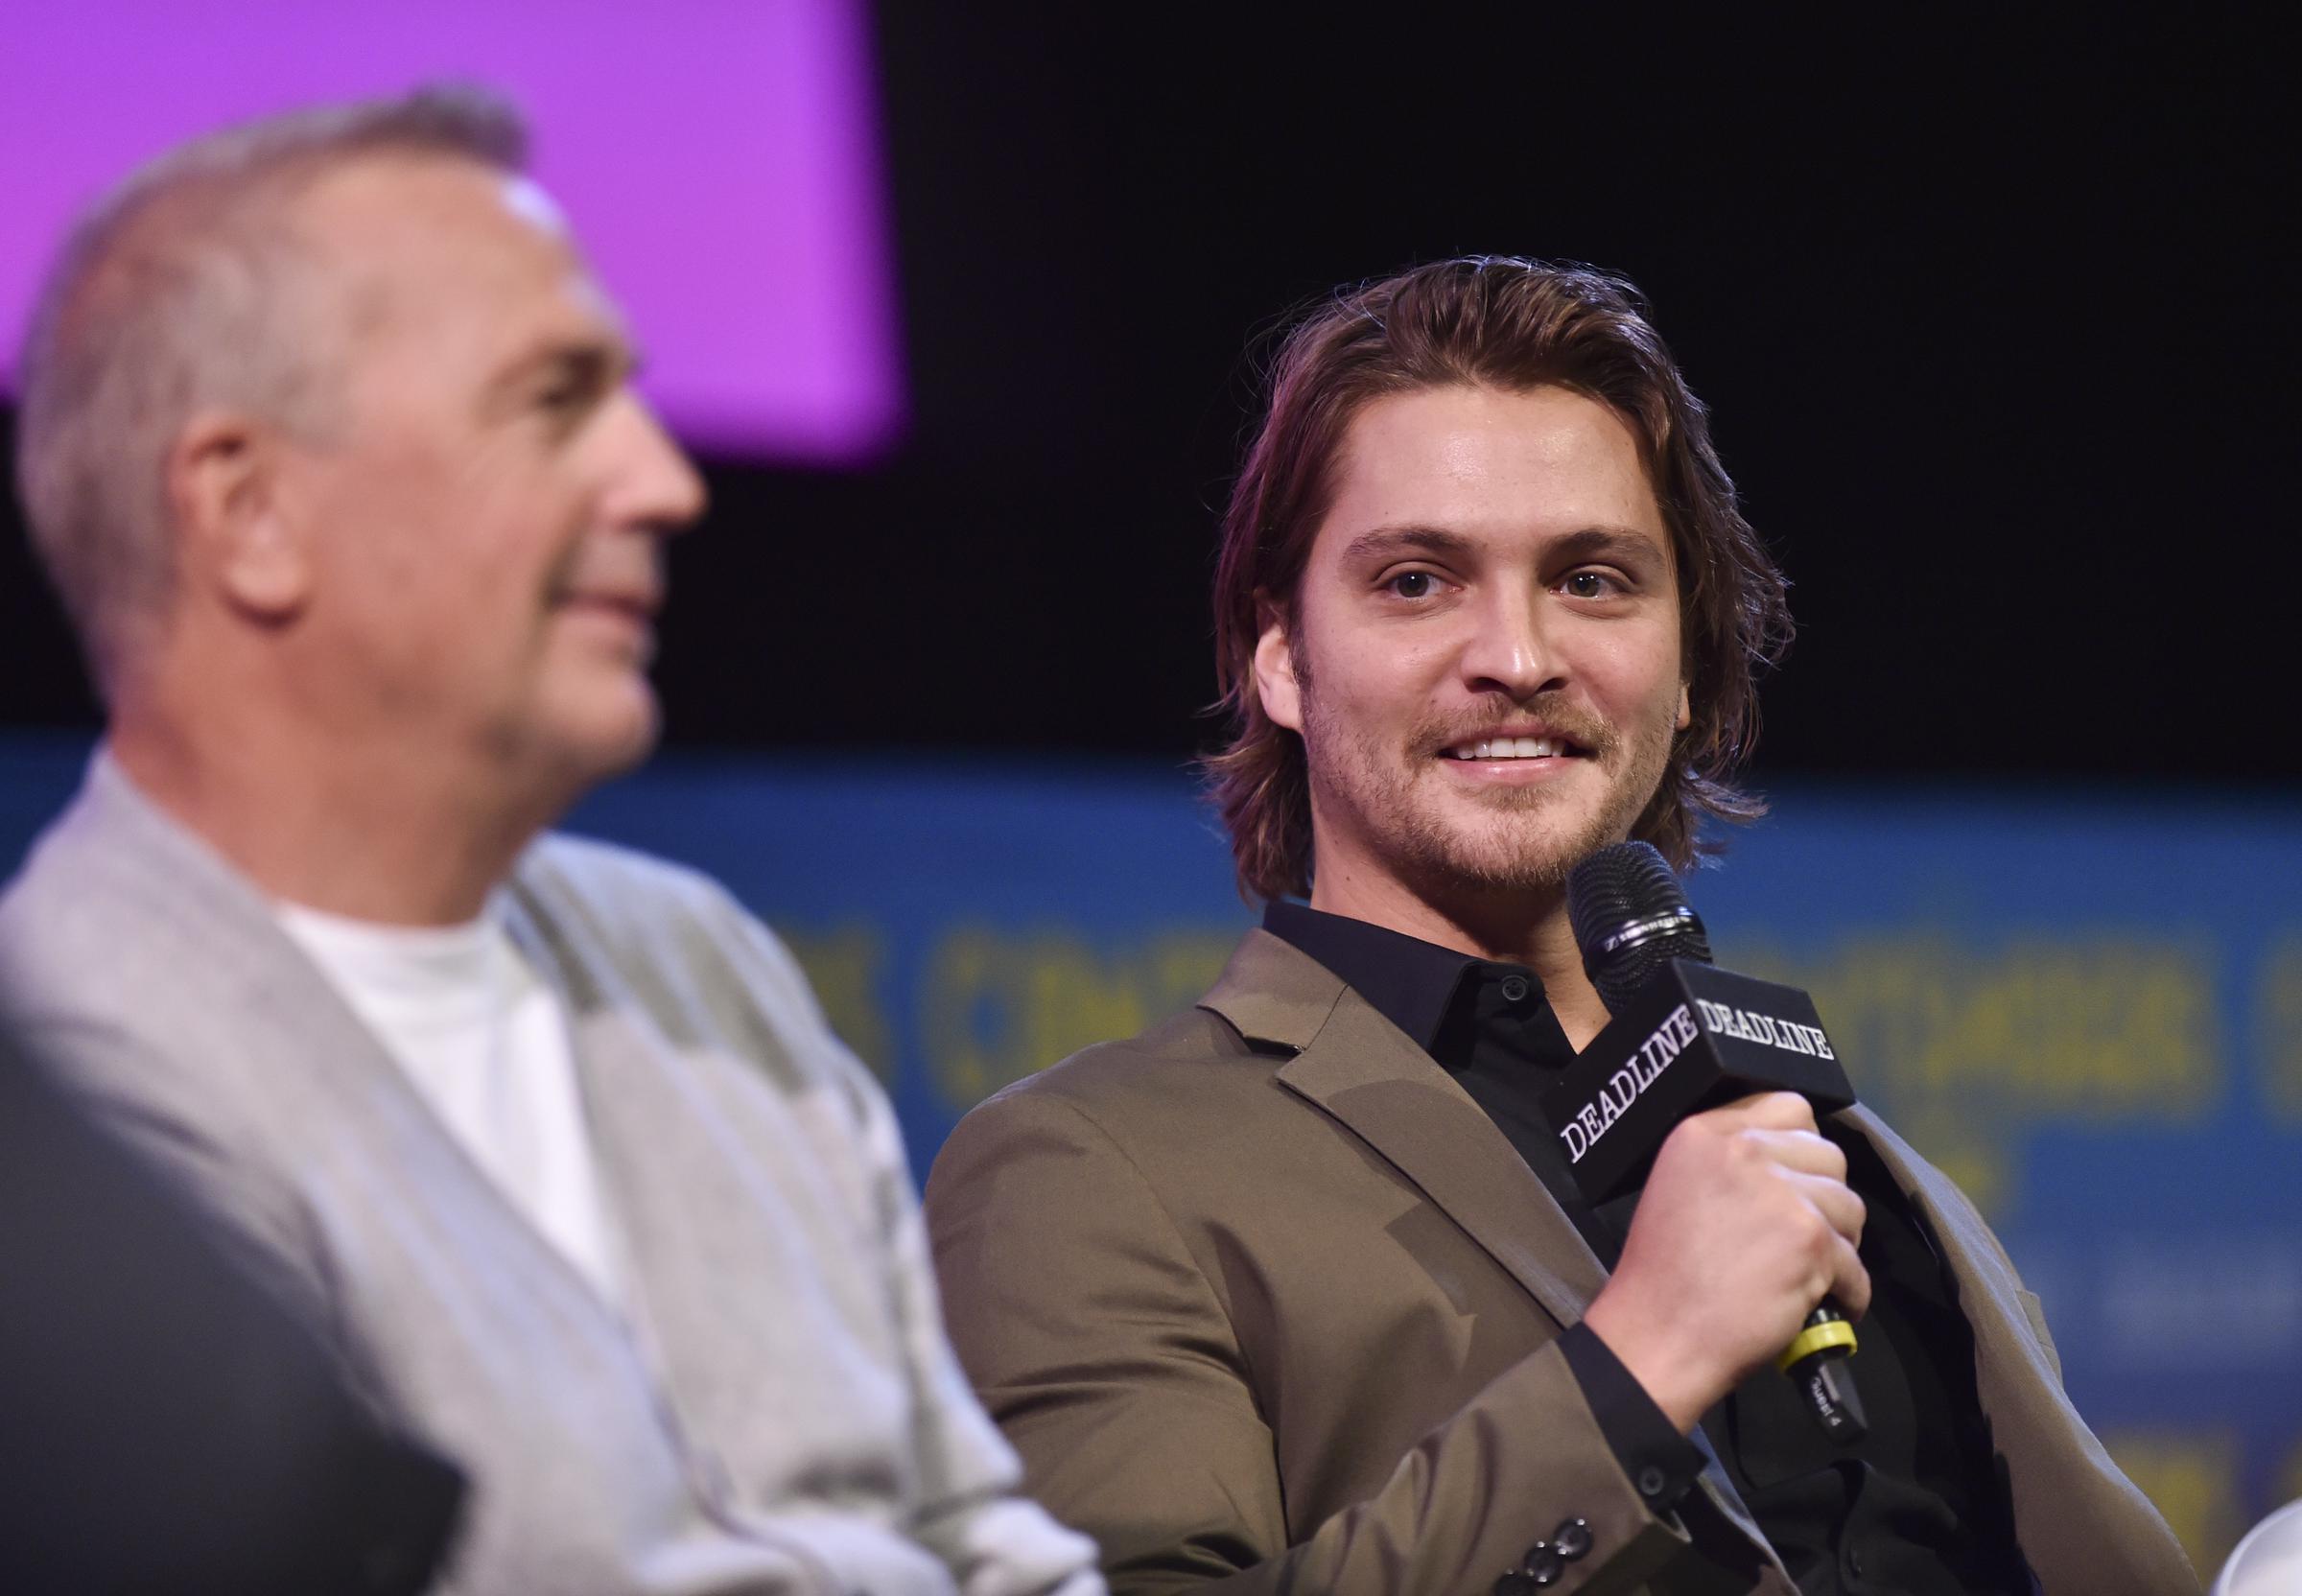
(1512, 772)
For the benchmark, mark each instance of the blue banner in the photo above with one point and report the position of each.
(2089, 1011)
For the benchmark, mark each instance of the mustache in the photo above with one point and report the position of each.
(1585, 729)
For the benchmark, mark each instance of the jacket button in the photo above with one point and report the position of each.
(1651, 1481)
(1572, 1538)
(1539, 1570)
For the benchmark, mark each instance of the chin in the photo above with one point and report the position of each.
(605, 737)
(1521, 855)
(621, 748)
(1487, 873)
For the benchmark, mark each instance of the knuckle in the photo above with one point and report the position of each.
(1817, 1232)
(1858, 1290)
(1793, 1107)
(1684, 1139)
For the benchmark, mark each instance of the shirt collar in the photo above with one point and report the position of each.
(1410, 982)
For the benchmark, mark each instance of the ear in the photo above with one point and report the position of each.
(1275, 681)
(1686, 709)
(234, 516)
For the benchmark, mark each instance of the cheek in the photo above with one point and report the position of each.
(393, 519)
(1636, 673)
(1378, 672)
(507, 547)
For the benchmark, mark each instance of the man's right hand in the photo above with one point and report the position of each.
(1746, 1224)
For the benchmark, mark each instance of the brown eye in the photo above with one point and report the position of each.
(1411, 584)
(1588, 584)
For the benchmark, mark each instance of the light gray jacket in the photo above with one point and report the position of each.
(774, 1410)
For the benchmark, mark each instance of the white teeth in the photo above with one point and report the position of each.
(1513, 748)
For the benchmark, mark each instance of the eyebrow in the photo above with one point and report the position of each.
(1390, 542)
(1615, 542)
(1438, 542)
(597, 360)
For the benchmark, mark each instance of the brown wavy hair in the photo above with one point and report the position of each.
(1514, 324)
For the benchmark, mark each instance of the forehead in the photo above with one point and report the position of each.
(1481, 460)
(450, 254)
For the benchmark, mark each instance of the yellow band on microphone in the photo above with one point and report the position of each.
(1831, 1332)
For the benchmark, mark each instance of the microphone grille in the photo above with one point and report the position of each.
(1627, 895)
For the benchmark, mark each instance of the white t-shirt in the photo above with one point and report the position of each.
(487, 1044)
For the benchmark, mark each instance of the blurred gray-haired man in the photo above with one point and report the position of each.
(328, 440)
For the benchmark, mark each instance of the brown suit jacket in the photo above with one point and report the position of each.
(1263, 1298)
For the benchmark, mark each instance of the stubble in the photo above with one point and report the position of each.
(1448, 843)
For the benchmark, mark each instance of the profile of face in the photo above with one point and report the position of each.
(482, 532)
(1483, 659)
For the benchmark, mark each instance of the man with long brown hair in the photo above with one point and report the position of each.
(1294, 1291)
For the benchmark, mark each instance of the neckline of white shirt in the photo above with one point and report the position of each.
(423, 976)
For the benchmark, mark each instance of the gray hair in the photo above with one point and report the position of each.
(180, 291)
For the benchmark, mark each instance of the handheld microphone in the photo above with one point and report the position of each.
(1686, 1036)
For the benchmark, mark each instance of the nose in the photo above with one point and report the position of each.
(655, 487)
(1507, 650)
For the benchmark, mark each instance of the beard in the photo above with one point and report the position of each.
(1449, 844)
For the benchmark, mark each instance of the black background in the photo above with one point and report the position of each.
(1996, 318)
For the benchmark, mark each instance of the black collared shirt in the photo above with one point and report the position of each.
(1917, 1507)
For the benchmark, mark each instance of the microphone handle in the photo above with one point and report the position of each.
(1817, 1363)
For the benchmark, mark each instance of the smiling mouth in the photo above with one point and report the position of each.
(1514, 748)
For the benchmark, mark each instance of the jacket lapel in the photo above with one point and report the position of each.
(1356, 1065)
(295, 1038)
(2012, 1369)
(1389, 1094)
(2081, 1523)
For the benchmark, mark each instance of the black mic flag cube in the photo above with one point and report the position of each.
(1696, 1037)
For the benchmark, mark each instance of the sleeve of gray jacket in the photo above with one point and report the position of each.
(995, 1542)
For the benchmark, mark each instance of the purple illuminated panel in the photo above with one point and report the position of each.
(719, 157)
